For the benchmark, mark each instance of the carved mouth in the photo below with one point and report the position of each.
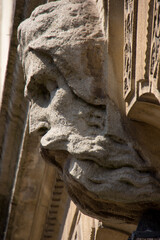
(56, 158)
(48, 158)
(107, 152)
(123, 184)
(118, 156)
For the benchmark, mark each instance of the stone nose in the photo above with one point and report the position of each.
(39, 127)
(38, 121)
(56, 139)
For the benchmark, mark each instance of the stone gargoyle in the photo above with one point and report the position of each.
(63, 50)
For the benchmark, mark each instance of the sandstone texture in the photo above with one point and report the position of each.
(62, 47)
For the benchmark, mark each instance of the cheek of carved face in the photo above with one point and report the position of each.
(67, 124)
(54, 105)
(61, 108)
(58, 114)
(71, 121)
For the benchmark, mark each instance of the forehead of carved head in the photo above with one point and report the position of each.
(70, 32)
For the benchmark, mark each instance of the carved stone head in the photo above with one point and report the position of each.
(64, 55)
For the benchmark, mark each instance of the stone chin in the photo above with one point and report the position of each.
(123, 193)
(107, 180)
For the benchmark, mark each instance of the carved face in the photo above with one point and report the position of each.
(75, 137)
(83, 136)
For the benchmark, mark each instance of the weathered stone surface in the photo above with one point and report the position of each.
(64, 54)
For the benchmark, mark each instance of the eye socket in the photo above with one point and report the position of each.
(37, 92)
(40, 88)
(43, 92)
(51, 85)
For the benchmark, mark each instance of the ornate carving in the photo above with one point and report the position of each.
(155, 47)
(129, 46)
(63, 51)
(141, 61)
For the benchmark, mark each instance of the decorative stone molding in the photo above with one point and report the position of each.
(154, 72)
(130, 21)
(56, 211)
(141, 75)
